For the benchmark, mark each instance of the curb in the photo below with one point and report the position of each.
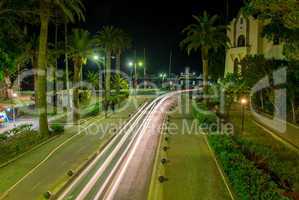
(152, 193)
(285, 142)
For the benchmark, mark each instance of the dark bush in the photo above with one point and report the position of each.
(18, 130)
(57, 128)
(70, 173)
(264, 156)
(203, 115)
(47, 195)
(3, 137)
(248, 181)
(17, 144)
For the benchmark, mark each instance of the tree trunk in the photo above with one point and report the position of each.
(7, 85)
(67, 66)
(54, 71)
(205, 68)
(76, 100)
(34, 66)
(118, 70)
(108, 76)
(41, 97)
(294, 119)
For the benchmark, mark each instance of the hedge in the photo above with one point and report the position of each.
(248, 182)
(203, 115)
(286, 171)
(22, 140)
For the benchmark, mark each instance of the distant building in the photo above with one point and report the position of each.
(245, 34)
(189, 79)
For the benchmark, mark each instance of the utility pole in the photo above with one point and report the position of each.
(144, 69)
(135, 69)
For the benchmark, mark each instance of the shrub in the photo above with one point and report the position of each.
(247, 181)
(17, 144)
(70, 173)
(203, 115)
(286, 171)
(18, 130)
(57, 128)
(47, 195)
(3, 137)
(94, 111)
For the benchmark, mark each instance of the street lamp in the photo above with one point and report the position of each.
(135, 64)
(131, 64)
(96, 59)
(140, 63)
(244, 102)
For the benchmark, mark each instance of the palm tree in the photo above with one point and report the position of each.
(93, 78)
(205, 35)
(46, 8)
(123, 42)
(80, 48)
(106, 38)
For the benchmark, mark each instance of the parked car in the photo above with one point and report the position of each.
(3, 118)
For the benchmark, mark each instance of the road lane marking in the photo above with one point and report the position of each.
(98, 157)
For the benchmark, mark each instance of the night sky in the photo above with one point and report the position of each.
(156, 26)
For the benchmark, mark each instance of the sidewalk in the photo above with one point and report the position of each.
(290, 136)
(292, 131)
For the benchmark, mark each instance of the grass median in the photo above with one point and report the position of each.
(191, 171)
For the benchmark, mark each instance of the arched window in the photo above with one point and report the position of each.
(241, 41)
(241, 21)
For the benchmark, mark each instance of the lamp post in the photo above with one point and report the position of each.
(135, 64)
(97, 60)
(244, 102)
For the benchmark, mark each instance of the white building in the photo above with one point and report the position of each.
(245, 34)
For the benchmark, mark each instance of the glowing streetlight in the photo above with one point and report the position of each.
(96, 57)
(243, 102)
(130, 64)
(140, 63)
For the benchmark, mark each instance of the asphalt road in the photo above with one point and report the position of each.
(126, 161)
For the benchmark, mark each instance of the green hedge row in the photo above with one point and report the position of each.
(203, 115)
(286, 171)
(18, 144)
(248, 182)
